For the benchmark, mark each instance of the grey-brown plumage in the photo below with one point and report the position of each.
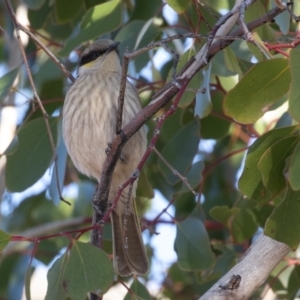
(89, 122)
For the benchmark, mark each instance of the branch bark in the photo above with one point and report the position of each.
(250, 272)
(39, 231)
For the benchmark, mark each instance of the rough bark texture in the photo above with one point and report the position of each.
(250, 272)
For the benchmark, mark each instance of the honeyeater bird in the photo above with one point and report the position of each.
(89, 124)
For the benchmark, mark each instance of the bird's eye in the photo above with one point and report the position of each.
(96, 55)
(93, 55)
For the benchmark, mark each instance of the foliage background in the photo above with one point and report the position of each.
(244, 81)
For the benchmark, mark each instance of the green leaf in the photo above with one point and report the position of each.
(273, 162)
(12, 147)
(27, 281)
(32, 157)
(139, 291)
(203, 106)
(261, 86)
(240, 220)
(193, 176)
(243, 225)
(283, 225)
(34, 4)
(282, 20)
(294, 169)
(144, 188)
(260, 46)
(186, 143)
(284, 121)
(184, 205)
(98, 20)
(145, 10)
(219, 67)
(213, 126)
(264, 32)
(38, 18)
(294, 99)
(192, 245)
(294, 282)
(231, 61)
(250, 183)
(65, 11)
(6, 83)
(61, 162)
(85, 269)
(223, 214)
(179, 5)
(4, 240)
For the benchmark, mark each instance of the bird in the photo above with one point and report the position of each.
(89, 122)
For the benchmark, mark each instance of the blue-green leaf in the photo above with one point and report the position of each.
(98, 20)
(31, 159)
(185, 142)
(6, 82)
(85, 269)
(192, 245)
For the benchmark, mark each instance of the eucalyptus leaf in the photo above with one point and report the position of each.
(273, 162)
(283, 225)
(294, 169)
(98, 20)
(192, 245)
(84, 269)
(4, 240)
(203, 105)
(6, 82)
(137, 291)
(31, 159)
(251, 182)
(186, 143)
(258, 90)
(294, 99)
(179, 5)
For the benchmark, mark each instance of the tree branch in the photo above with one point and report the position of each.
(250, 272)
(41, 230)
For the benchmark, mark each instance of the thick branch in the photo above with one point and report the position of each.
(252, 270)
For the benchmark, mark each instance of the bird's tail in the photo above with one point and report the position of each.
(129, 251)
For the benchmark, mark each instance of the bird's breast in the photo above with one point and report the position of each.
(89, 122)
(88, 114)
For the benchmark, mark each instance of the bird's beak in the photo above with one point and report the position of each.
(113, 47)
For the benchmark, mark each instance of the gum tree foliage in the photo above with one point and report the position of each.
(240, 154)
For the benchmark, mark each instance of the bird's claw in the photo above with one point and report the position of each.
(108, 150)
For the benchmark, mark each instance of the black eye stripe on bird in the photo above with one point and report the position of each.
(94, 54)
(90, 57)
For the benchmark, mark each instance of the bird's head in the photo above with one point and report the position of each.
(102, 55)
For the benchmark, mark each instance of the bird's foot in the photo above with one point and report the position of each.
(108, 150)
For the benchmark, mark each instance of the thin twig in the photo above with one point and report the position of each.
(175, 172)
(49, 53)
(175, 59)
(247, 33)
(155, 220)
(122, 92)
